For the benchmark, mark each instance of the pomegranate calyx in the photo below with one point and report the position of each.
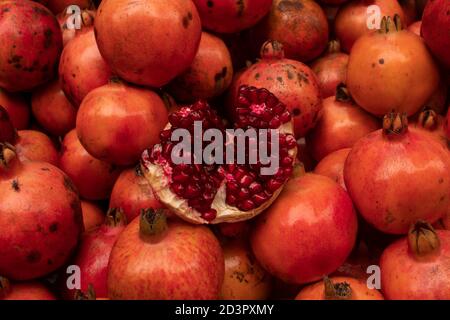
(423, 240)
(89, 295)
(334, 46)
(428, 119)
(389, 25)
(395, 124)
(7, 155)
(153, 222)
(342, 93)
(115, 217)
(336, 291)
(5, 287)
(272, 49)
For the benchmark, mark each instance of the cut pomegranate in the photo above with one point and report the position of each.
(211, 192)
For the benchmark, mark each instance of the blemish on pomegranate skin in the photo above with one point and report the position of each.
(286, 5)
(68, 184)
(34, 256)
(210, 4)
(187, 19)
(53, 227)
(381, 61)
(15, 185)
(241, 7)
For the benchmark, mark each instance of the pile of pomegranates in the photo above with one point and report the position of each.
(223, 149)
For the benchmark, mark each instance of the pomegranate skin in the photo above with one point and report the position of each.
(409, 180)
(133, 40)
(403, 277)
(340, 125)
(308, 232)
(435, 26)
(31, 45)
(93, 216)
(230, 16)
(17, 107)
(47, 219)
(300, 25)
(294, 83)
(36, 146)
(209, 75)
(332, 166)
(416, 27)
(82, 68)
(93, 178)
(52, 110)
(116, 122)
(29, 291)
(186, 263)
(132, 193)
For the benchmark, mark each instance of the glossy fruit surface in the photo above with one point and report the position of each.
(36, 146)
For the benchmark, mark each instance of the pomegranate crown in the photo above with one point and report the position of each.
(389, 25)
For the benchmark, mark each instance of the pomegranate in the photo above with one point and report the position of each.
(31, 45)
(17, 107)
(36, 146)
(339, 288)
(354, 18)
(209, 75)
(417, 267)
(7, 131)
(230, 16)
(82, 68)
(156, 259)
(132, 193)
(331, 69)
(332, 166)
(238, 190)
(93, 178)
(308, 232)
(341, 123)
(304, 155)
(415, 27)
(410, 10)
(391, 69)
(94, 251)
(135, 40)
(430, 122)
(234, 230)
(409, 176)
(93, 216)
(52, 110)
(68, 22)
(244, 279)
(116, 122)
(57, 6)
(290, 81)
(24, 291)
(40, 217)
(300, 25)
(435, 26)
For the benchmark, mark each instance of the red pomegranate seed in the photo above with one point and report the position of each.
(244, 193)
(231, 200)
(181, 177)
(232, 187)
(192, 191)
(255, 187)
(246, 180)
(259, 199)
(209, 215)
(287, 161)
(247, 205)
(178, 188)
(274, 123)
(274, 185)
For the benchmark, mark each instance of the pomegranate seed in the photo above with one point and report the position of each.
(279, 108)
(255, 187)
(178, 189)
(287, 172)
(290, 141)
(231, 200)
(274, 123)
(287, 161)
(244, 193)
(246, 180)
(246, 205)
(285, 116)
(259, 199)
(232, 187)
(273, 185)
(192, 191)
(209, 215)
(239, 174)
(181, 177)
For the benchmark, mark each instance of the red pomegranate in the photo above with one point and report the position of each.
(132, 193)
(332, 166)
(36, 146)
(415, 27)
(7, 131)
(94, 251)
(339, 288)
(290, 81)
(354, 18)
(341, 123)
(93, 215)
(68, 20)
(417, 267)
(396, 176)
(308, 232)
(31, 45)
(240, 186)
(24, 291)
(143, 43)
(435, 26)
(82, 68)
(93, 178)
(230, 16)
(209, 75)
(234, 230)
(299, 25)
(156, 259)
(331, 69)
(17, 107)
(52, 110)
(244, 279)
(391, 69)
(40, 217)
(116, 122)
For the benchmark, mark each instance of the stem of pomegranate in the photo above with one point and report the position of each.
(428, 119)
(89, 295)
(337, 291)
(115, 217)
(342, 93)
(423, 242)
(5, 287)
(395, 124)
(152, 223)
